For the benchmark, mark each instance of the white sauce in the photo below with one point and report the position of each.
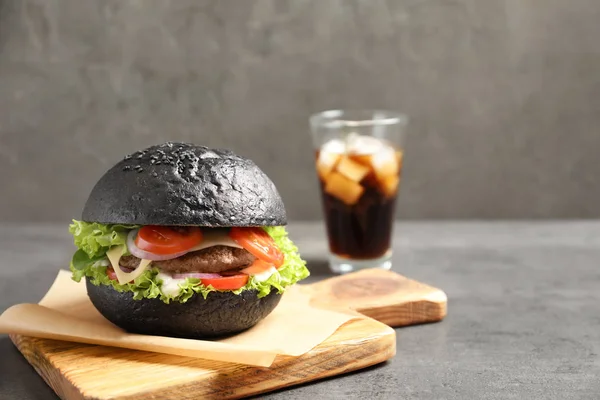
(263, 276)
(170, 285)
(101, 263)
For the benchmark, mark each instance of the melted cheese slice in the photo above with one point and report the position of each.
(114, 255)
(215, 238)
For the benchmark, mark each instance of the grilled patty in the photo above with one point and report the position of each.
(212, 259)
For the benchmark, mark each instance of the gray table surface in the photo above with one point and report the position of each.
(523, 323)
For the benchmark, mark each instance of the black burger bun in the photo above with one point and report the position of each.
(221, 314)
(185, 184)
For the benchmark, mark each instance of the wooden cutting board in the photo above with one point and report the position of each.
(80, 371)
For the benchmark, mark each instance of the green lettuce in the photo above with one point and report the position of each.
(144, 287)
(293, 268)
(94, 240)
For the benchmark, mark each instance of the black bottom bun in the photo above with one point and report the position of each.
(221, 314)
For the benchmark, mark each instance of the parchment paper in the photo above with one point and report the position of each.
(66, 313)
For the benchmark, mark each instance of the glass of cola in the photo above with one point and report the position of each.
(358, 157)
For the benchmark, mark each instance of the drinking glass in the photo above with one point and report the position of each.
(359, 157)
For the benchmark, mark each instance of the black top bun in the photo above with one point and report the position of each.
(185, 184)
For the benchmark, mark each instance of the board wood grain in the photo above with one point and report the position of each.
(80, 371)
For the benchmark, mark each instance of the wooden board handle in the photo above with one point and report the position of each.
(382, 295)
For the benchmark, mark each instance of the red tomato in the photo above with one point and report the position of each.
(232, 282)
(257, 267)
(258, 243)
(111, 273)
(167, 240)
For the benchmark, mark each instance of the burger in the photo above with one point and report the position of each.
(185, 241)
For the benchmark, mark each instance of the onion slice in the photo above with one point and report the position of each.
(146, 255)
(198, 275)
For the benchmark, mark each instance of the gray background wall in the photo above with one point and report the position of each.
(504, 95)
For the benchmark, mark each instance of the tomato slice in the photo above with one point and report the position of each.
(232, 282)
(167, 240)
(111, 273)
(258, 243)
(257, 267)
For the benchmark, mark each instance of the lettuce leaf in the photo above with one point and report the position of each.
(293, 268)
(144, 287)
(93, 240)
(81, 262)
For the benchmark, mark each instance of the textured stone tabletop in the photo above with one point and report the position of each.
(523, 323)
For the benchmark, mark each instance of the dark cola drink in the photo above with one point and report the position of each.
(359, 185)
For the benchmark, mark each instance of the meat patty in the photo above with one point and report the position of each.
(213, 259)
